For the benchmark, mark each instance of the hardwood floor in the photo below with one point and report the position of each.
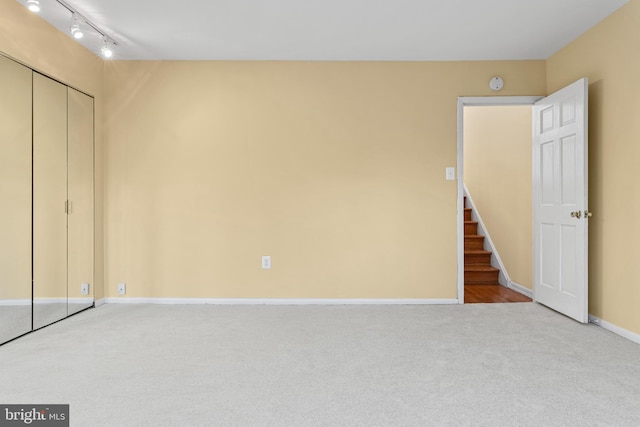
(491, 293)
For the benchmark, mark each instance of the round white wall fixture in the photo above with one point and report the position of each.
(496, 83)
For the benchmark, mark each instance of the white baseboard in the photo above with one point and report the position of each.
(86, 300)
(100, 302)
(278, 301)
(20, 302)
(14, 302)
(625, 333)
(50, 300)
(521, 289)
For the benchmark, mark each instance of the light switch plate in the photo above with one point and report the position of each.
(451, 174)
(84, 289)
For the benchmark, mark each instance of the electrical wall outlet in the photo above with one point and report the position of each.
(122, 288)
(84, 289)
(266, 262)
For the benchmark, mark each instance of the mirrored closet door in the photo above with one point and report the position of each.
(15, 193)
(62, 201)
(49, 201)
(47, 190)
(81, 201)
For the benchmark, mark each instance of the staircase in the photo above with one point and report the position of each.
(477, 261)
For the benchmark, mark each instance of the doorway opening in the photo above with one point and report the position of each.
(495, 186)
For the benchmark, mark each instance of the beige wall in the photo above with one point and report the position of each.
(608, 56)
(29, 39)
(336, 170)
(497, 173)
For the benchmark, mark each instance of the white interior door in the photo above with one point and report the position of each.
(560, 204)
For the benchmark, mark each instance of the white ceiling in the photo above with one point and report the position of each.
(383, 30)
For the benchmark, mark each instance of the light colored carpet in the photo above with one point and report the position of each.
(495, 365)
(15, 320)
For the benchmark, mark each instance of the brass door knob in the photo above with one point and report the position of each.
(588, 214)
(576, 214)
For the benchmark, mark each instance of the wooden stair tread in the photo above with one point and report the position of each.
(494, 283)
(476, 252)
(479, 267)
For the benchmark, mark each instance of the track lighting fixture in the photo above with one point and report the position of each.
(75, 28)
(108, 42)
(33, 5)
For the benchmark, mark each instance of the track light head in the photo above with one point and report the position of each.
(75, 28)
(107, 52)
(76, 31)
(33, 5)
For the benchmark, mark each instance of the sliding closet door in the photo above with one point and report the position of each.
(80, 188)
(15, 193)
(49, 201)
